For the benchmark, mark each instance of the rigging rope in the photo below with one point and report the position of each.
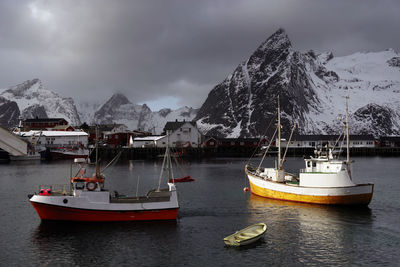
(266, 150)
(264, 135)
(115, 159)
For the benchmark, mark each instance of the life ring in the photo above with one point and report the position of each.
(90, 186)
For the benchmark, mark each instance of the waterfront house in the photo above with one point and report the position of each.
(183, 133)
(150, 141)
(311, 141)
(54, 139)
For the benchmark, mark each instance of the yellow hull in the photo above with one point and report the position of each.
(360, 199)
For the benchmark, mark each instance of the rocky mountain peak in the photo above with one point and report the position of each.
(35, 100)
(118, 99)
(277, 41)
(21, 89)
(247, 98)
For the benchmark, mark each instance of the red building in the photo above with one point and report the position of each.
(42, 123)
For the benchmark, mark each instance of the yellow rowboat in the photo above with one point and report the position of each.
(247, 235)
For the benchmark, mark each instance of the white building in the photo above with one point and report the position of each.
(150, 141)
(183, 134)
(311, 141)
(56, 138)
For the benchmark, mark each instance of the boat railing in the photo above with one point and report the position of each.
(55, 189)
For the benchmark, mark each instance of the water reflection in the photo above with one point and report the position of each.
(83, 243)
(319, 233)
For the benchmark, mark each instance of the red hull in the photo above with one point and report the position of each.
(182, 180)
(51, 212)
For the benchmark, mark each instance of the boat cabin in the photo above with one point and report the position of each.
(325, 171)
(323, 165)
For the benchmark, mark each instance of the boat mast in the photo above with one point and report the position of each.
(279, 136)
(348, 133)
(167, 161)
(97, 153)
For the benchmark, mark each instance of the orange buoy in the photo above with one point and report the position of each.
(246, 189)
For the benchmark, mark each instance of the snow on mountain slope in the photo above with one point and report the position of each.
(373, 86)
(86, 111)
(312, 90)
(33, 99)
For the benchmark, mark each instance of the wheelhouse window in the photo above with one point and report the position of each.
(80, 185)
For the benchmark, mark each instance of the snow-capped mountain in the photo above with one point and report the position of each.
(118, 109)
(31, 99)
(312, 89)
(35, 100)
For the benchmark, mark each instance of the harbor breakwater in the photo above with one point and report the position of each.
(153, 153)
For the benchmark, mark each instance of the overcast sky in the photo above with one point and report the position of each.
(171, 53)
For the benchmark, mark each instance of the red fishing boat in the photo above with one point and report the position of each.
(86, 199)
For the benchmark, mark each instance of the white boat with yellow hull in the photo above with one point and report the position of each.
(356, 194)
(325, 180)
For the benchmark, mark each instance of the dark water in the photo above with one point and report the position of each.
(212, 207)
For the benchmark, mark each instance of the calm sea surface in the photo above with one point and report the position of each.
(212, 207)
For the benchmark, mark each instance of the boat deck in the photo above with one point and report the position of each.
(152, 196)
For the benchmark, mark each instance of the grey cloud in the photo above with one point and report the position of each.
(151, 49)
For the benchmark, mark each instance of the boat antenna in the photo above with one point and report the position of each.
(348, 133)
(279, 136)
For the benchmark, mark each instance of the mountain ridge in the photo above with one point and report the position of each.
(312, 89)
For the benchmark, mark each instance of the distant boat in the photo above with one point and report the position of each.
(325, 180)
(86, 199)
(68, 153)
(246, 236)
